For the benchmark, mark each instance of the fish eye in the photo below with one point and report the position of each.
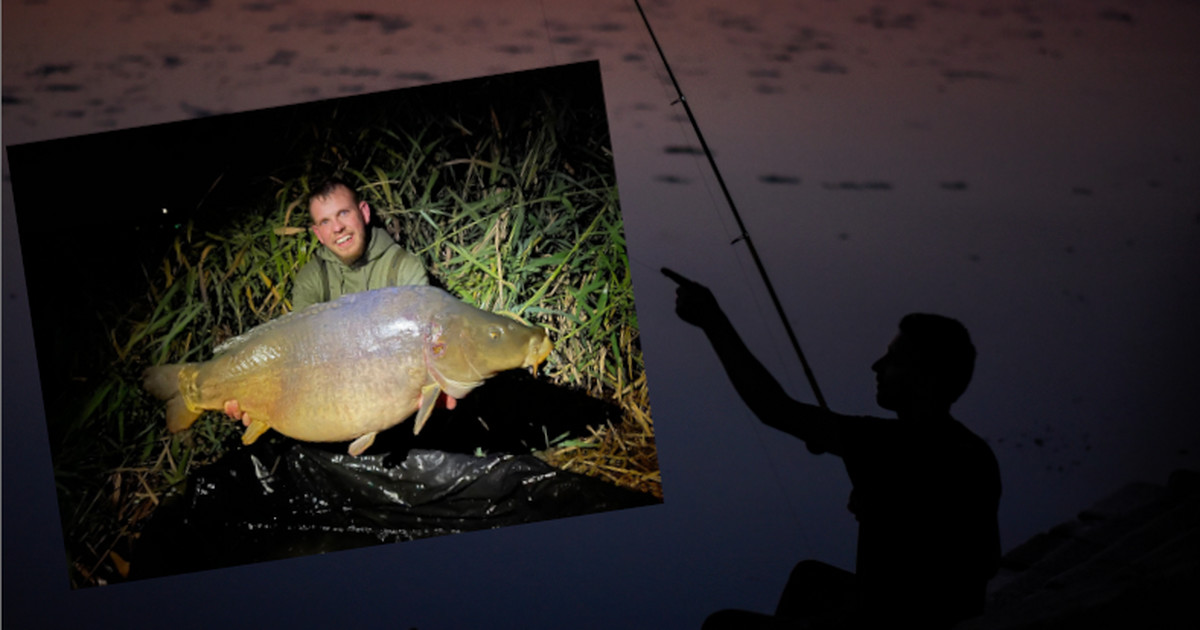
(495, 332)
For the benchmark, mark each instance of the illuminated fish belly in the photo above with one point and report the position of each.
(347, 369)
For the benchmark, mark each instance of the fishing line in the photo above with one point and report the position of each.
(549, 37)
(743, 235)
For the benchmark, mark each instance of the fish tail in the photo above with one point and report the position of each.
(162, 381)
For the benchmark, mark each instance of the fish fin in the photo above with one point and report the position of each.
(362, 443)
(429, 396)
(179, 415)
(254, 430)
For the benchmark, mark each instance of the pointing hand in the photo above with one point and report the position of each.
(694, 303)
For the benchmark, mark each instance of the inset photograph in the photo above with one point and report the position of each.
(336, 324)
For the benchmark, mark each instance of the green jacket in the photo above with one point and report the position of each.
(385, 264)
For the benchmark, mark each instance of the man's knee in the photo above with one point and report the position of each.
(814, 589)
(816, 574)
(720, 620)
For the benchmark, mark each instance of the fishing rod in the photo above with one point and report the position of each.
(744, 236)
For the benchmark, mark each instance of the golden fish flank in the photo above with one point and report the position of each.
(347, 369)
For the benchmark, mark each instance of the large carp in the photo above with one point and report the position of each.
(347, 369)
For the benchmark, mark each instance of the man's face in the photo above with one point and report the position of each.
(340, 224)
(897, 376)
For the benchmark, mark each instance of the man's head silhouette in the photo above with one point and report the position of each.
(927, 366)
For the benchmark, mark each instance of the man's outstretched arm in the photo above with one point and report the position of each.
(695, 304)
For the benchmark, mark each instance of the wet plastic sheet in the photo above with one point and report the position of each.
(284, 499)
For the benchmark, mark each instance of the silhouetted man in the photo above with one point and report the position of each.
(925, 488)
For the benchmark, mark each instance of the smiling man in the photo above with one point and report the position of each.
(355, 256)
(925, 489)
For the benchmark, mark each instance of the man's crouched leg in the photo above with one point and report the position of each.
(816, 595)
(745, 620)
(819, 593)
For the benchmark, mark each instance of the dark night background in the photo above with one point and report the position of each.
(1031, 169)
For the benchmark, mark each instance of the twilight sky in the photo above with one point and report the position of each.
(1032, 169)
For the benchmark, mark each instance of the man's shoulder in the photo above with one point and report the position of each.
(872, 426)
(973, 457)
(402, 266)
(313, 266)
(389, 250)
(308, 287)
(893, 433)
(310, 274)
(964, 435)
(382, 244)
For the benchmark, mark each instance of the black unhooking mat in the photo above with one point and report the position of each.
(281, 499)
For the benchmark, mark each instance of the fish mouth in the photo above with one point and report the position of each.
(539, 348)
